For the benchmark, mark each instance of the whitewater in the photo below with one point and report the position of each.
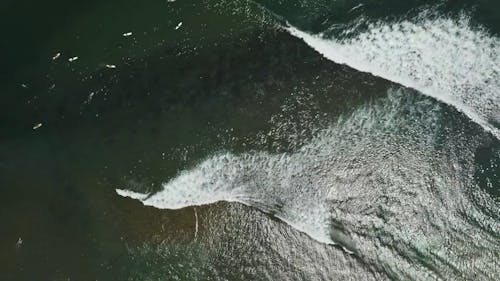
(375, 183)
(386, 181)
(443, 58)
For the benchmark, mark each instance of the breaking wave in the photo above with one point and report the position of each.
(387, 183)
(443, 58)
(390, 183)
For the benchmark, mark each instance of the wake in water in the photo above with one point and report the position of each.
(443, 58)
(386, 183)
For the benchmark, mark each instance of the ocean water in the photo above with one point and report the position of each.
(250, 140)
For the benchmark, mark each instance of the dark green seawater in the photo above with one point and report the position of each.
(250, 140)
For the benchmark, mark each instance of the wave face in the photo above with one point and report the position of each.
(387, 183)
(442, 58)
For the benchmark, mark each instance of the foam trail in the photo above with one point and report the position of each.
(442, 58)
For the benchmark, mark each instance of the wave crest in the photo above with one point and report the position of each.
(442, 58)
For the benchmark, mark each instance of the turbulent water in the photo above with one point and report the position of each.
(384, 182)
(444, 58)
(387, 182)
(275, 140)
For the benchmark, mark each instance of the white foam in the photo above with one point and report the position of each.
(442, 58)
(373, 183)
(205, 184)
(377, 173)
(131, 194)
(248, 179)
(294, 187)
